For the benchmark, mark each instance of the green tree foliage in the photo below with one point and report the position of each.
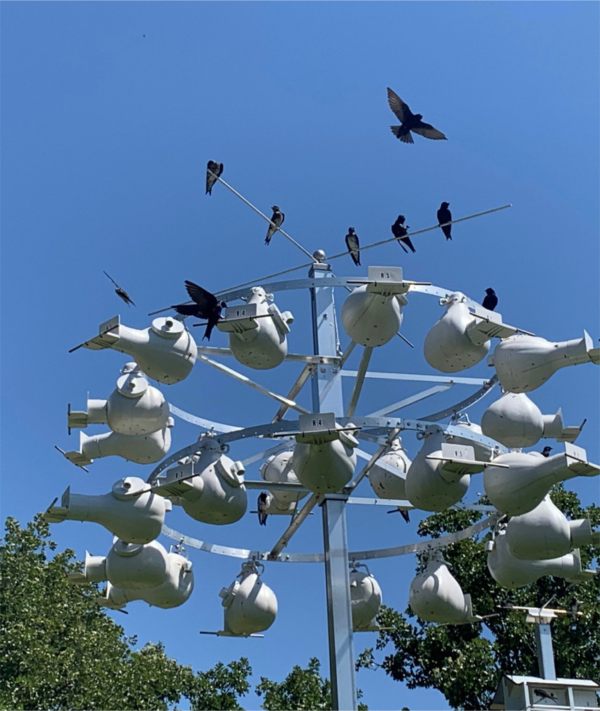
(59, 649)
(220, 687)
(465, 662)
(301, 689)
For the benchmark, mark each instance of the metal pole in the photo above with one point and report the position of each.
(545, 651)
(262, 214)
(327, 397)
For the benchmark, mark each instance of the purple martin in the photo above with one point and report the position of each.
(263, 505)
(444, 215)
(120, 292)
(403, 512)
(546, 451)
(399, 230)
(410, 122)
(277, 219)
(490, 301)
(206, 305)
(353, 245)
(213, 171)
(543, 694)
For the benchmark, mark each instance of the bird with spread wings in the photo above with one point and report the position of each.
(206, 305)
(410, 122)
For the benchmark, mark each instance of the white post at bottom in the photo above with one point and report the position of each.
(339, 605)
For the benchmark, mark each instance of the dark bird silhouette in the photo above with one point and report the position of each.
(277, 219)
(490, 300)
(399, 230)
(120, 292)
(444, 215)
(574, 611)
(546, 451)
(206, 305)
(263, 505)
(213, 171)
(543, 694)
(353, 245)
(402, 513)
(410, 122)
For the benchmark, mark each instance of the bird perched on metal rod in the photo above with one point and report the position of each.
(490, 300)
(213, 171)
(277, 219)
(120, 292)
(353, 245)
(206, 305)
(263, 505)
(410, 122)
(543, 694)
(444, 215)
(399, 230)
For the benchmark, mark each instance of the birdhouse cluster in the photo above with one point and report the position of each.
(317, 453)
(137, 415)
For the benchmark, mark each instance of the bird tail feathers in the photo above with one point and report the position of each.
(402, 134)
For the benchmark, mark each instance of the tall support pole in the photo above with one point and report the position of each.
(328, 397)
(545, 651)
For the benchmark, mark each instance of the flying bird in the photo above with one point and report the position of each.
(353, 245)
(546, 451)
(277, 219)
(213, 171)
(206, 305)
(410, 122)
(399, 230)
(490, 301)
(120, 292)
(543, 694)
(444, 215)
(263, 505)
(405, 515)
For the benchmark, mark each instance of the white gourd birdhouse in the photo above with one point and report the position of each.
(250, 605)
(129, 511)
(436, 596)
(257, 331)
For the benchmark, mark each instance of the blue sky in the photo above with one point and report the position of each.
(109, 114)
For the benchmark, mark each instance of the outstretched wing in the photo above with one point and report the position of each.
(113, 281)
(427, 130)
(205, 300)
(187, 310)
(399, 107)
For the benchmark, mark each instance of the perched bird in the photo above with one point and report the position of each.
(213, 171)
(402, 513)
(399, 230)
(410, 122)
(277, 219)
(353, 245)
(543, 694)
(120, 292)
(206, 305)
(444, 215)
(574, 611)
(546, 451)
(490, 300)
(263, 505)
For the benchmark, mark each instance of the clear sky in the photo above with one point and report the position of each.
(109, 114)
